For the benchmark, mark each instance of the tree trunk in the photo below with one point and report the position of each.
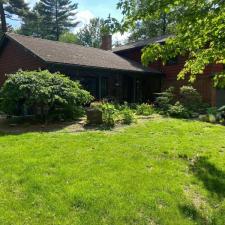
(164, 27)
(57, 22)
(3, 19)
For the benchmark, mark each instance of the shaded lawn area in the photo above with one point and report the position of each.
(163, 171)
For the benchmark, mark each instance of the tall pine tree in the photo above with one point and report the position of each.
(57, 16)
(33, 24)
(9, 8)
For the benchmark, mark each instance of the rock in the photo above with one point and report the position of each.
(94, 116)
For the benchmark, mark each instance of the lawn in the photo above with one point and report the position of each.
(162, 171)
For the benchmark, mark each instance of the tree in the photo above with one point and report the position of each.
(32, 24)
(199, 32)
(151, 28)
(9, 8)
(91, 34)
(50, 19)
(68, 37)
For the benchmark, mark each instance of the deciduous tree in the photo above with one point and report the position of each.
(68, 37)
(151, 28)
(91, 34)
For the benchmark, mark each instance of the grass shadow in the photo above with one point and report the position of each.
(16, 128)
(212, 178)
(190, 212)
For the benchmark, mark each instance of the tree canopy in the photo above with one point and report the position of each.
(9, 8)
(199, 32)
(68, 37)
(153, 27)
(50, 19)
(91, 34)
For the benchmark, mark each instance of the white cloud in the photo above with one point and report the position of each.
(31, 2)
(84, 18)
(122, 38)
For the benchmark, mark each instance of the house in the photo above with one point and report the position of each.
(102, 72)
(204, 82)
(107, 73)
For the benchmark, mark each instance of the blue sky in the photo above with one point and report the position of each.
(100, 8)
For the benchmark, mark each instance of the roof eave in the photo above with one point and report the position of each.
(103, 68)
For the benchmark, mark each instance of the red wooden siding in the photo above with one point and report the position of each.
(14, 57)
(203, 84)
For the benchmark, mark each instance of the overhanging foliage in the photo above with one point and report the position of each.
(199, 32)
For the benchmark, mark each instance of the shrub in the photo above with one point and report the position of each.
(211, 110)
(110, 114)
(190, 98)
(178, 111)
(165, 99)
(215, 115)
(145, 109)
(221, 114)
(43, 94)
(128, 116)
(96, 104)
(114, 113)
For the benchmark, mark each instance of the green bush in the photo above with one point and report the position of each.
(187, 104)
(110, 114)
(145, 109)
(128, 116)
(43, 94)
(190, 98)
(214, 115)
(178, 110)
(115, 113)
(165, 100)
(221, 114)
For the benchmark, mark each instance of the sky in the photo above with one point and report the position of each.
(88, 9)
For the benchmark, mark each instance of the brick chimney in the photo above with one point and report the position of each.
(106, 42)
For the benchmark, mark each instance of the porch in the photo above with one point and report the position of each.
(114, 84)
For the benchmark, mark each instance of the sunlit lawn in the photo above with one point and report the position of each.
(163, 171)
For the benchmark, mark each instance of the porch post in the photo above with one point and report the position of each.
(99, 87)
(134, 89)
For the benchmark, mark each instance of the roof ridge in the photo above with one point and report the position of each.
(43, 39)
(142, 42)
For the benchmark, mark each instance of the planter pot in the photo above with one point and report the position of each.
(94, 116)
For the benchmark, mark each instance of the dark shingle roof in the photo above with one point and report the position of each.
(72, 54)
(141, 43)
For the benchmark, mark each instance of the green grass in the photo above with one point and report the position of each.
(164, 171)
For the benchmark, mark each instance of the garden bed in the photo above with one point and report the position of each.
(6, 126)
